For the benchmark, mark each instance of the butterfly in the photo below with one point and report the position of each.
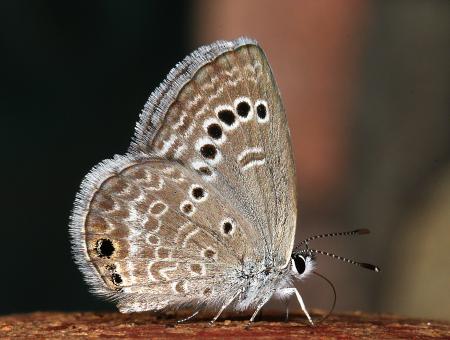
(201, 211)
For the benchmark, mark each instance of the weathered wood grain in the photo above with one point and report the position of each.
(145, 325)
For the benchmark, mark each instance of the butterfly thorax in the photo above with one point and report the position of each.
(258, 282)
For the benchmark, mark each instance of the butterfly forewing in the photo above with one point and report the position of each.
(227, 123)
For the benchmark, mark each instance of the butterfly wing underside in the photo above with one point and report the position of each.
(208, 183)
(252, 162)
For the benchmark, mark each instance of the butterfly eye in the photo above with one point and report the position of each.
(300, 264)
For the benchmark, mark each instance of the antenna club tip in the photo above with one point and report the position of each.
(370, 267)
(362, 231)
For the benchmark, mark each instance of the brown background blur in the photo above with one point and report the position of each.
(366, 89)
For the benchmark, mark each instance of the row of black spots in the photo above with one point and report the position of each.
(227, 117)
(243, 109)
(116, 278)
(197, 194)
(215, 131)
(105, 249)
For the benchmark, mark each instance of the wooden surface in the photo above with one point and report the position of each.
(40, 325)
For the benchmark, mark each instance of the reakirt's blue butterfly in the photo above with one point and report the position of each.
(201, 211)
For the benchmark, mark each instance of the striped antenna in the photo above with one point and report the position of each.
(342, 233)
(360, 264)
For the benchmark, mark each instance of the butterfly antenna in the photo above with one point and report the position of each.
(334, 299)
(343, 259)
(342, 233)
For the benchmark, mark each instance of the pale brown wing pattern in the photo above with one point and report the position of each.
(155, 231)
(208, 185)
(228, 124)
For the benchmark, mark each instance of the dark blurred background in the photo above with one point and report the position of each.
(366, 88)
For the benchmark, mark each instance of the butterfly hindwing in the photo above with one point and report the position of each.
(157, 234)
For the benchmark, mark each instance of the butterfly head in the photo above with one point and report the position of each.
(303, 257)
(302, 263)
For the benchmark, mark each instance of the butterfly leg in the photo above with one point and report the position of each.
(225, 305)
(260, 315)
(289, 291)
(189, 317)
(286, 318)
(258, 308)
